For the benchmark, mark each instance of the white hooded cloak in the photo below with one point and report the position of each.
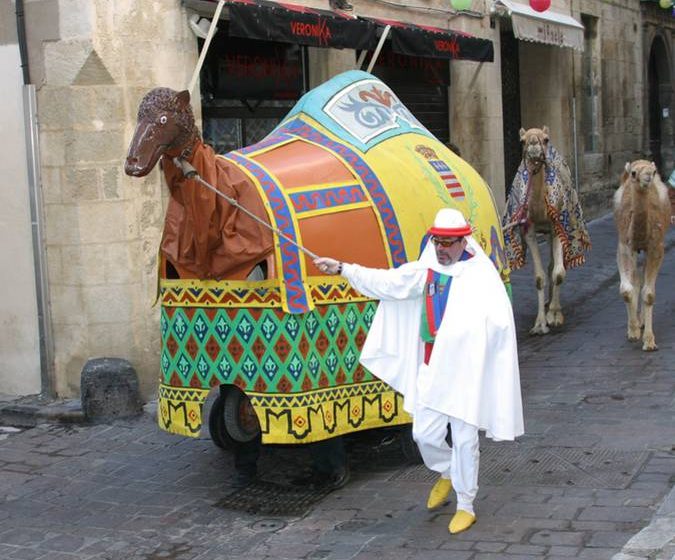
(473, 371)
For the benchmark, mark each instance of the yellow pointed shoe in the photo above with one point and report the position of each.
(439, 493)
(461, 521)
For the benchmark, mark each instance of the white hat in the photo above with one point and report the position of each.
(450, 223)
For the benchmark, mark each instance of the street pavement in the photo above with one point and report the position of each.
(591, 478)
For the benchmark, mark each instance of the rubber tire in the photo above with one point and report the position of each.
(234, 400)
(217, 429)
(225, 427)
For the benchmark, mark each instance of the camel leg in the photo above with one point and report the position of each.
(627, 263)
(540, 326)
(555, 317)
(652, 265)
(638, 281)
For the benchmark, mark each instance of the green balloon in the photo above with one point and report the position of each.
(460, 4)
(665, 4)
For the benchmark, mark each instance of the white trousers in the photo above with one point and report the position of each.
(459, 463)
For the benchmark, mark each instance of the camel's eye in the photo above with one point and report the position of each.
(633, 174)
(162, 119)
(545, 139)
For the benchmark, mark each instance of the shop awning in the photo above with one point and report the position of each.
(434, 42)
(549, 27)
(292, 23)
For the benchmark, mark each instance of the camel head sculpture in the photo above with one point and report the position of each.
(640, 173)
(535, 145)
(165, 125)
(204, 235)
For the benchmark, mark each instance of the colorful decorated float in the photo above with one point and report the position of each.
(350, 173)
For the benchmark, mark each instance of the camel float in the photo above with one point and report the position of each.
(543, 200)
(642, 215)
(350, 173)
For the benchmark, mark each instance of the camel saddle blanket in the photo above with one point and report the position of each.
(562, 207)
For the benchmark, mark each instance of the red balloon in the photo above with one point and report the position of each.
(540, 5)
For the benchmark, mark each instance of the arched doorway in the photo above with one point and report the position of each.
(660, 101)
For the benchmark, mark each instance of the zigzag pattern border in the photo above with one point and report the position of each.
(312, 416)
(196, 293)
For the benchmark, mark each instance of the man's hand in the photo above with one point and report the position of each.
(328, 265)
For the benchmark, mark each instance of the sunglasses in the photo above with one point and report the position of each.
(444, 242)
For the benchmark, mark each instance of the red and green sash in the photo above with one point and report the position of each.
(436, 292)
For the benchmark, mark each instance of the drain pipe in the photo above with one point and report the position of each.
(36, 213)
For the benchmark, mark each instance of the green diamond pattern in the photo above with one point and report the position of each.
(201, 329)
(241, 328)
(222, 328)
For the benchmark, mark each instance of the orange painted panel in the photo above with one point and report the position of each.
(298, 164)
(352, 236)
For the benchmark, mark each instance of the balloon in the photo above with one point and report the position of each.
(665, 4)
(540, 5)
(460, 4)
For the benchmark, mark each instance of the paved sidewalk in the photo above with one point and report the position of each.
(657, 540)
(591, 479)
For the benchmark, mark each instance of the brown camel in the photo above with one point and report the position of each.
(642, 214)
(543, 200)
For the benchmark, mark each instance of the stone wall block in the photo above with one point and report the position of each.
(70, 342)
(111, 339)
(105, 222)
(63, 224)
(107, 304)
(67, 306)
(64, 59)
(95, 108)
(52, 148)
(109, 105)
(83, 265)
(139, 188)
(150, 213)
(122, 262)
(54, 271)
(111, 180)
(109, 389)
(80, 184)
(76, 18)
(55, 107)
(150, 255)
(95, 146)
(51, 184)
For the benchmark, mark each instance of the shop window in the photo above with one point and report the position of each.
(247, 88)
(420, 83)
(590, 101)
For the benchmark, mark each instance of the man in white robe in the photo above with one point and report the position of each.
(443, 336)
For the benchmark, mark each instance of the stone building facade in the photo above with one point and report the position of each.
(92, 60)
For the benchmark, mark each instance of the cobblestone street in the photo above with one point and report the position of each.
(595, 467)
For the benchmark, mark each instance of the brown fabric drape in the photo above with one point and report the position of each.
(204, 235)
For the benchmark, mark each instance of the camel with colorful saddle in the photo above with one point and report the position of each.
(349, 172)
(543, 200)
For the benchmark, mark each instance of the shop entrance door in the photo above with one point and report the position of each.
(511, 116)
